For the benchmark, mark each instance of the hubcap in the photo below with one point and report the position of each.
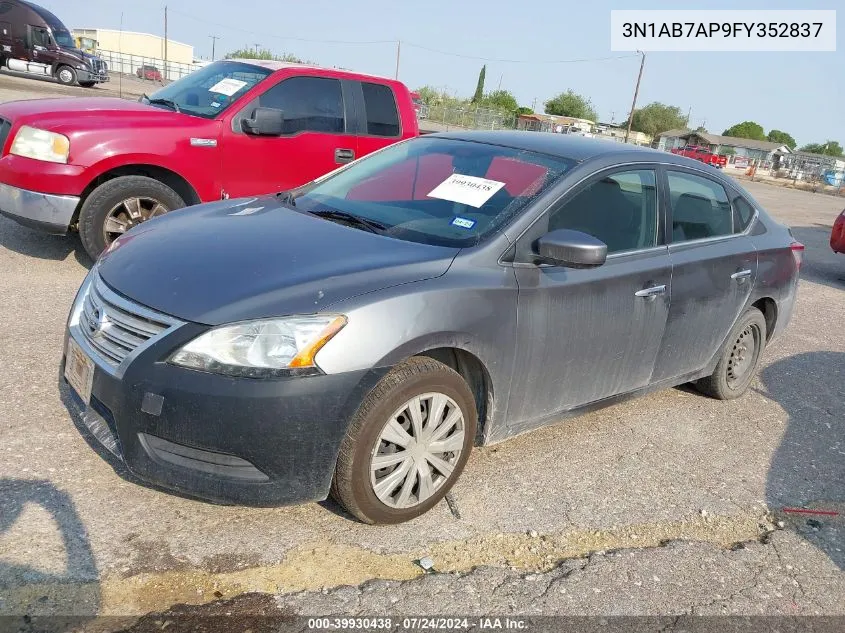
(65, 75)
(129, 213)
(743, 355)
(417, 450)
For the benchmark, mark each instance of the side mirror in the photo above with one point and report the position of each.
(264, 122)
(572, 249)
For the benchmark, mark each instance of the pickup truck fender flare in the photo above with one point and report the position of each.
(150, 165)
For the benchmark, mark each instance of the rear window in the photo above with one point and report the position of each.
(382, 115)
(437, 191)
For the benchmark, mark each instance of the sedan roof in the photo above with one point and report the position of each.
(578, 148)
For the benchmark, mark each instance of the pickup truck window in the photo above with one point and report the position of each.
(211, 90)
(392, 189)
(700, 207)
(310, 104)
(382, 115)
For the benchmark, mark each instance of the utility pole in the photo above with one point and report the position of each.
(534, 105)
(636, 92)
(689, 112)
(214, 39)
(398, 52)
(165, 41)
(500, 81)
(256, 47)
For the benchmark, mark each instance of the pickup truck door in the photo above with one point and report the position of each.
(376, 105)
(316, 137)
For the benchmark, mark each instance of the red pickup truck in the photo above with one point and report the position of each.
(703, 154)
(231, 129)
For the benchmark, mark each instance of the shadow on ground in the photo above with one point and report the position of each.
(807, 473)
(27, 593)
(32, 243)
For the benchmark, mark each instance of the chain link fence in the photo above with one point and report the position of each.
(145, 68)
(467, 117)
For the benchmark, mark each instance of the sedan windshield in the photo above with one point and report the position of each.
(437, 191)
(210, 90)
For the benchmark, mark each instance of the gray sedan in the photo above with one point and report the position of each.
(358, 336)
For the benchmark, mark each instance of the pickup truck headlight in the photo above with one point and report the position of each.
(38, 144)
(262, 348)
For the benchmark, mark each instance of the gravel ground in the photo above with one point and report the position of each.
(668, 504)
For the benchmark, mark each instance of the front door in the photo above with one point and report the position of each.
(586, 334)
(713, 270)
(314, 141)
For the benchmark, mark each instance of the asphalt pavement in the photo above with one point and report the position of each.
(669, 504)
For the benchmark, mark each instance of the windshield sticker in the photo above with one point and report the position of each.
(227, 87)
(464, 223)
(466, 190)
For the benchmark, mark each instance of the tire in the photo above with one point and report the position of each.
(87, 84)
(66, 75)
(353, 484)
(104, 199)
(724, 383)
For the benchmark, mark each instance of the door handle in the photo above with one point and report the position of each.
(343, 156)
(742, 274)
(651, 292)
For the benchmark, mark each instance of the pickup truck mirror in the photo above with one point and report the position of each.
(264, 122)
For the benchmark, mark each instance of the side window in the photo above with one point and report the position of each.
(743, 212)
(620, 210)
(700, 207)
(39, 36)
(382, 116)
(5, 31)
(310, 104)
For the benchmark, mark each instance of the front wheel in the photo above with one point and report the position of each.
(739, 358)
(407, 444)
(66, 75)
(120, 204)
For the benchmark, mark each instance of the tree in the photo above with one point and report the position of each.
(479, 87)
(264, 53)
(571, 104)
(655, 118)
(700, 129)
(746, 129)
(776, 136)
(524, 110)
(829, 148)
(501, 100)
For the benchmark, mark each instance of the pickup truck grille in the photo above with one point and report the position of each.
(115, 327)
(5, 128)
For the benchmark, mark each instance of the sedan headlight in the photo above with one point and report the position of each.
(38, 144)
(259, 349)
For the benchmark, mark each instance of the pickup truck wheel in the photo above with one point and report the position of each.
(407, 443)
(119, 204)
(66, 75)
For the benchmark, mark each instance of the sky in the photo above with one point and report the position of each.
(445, 43)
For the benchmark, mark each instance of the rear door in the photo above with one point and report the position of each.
(316, 137)
(379, 115)
(714, 265)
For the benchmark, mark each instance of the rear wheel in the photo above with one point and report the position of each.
(407, 444)
(66, 75)
(120, 204)
(739, 359)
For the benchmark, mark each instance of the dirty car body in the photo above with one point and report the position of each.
(535, 341)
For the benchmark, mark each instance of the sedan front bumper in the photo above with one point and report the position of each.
(227, 440)
(42, 211)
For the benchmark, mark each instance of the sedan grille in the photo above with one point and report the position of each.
(115, 327)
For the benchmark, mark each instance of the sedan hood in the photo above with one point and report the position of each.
(249, 259)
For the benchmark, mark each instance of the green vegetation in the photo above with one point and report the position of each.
(479, 87)
(656, 118)
(829, 148)
(571, 104)
(264, 53)
(746, 129)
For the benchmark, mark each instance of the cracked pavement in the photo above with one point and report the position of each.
(666, 486)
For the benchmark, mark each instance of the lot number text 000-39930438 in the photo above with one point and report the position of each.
(723, 30)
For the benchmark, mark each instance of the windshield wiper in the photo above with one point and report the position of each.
(158, 100)
(368, 225)
(287, 197)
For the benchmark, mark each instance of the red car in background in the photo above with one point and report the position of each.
(150, 73)
(702, 154)
(837, 236)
